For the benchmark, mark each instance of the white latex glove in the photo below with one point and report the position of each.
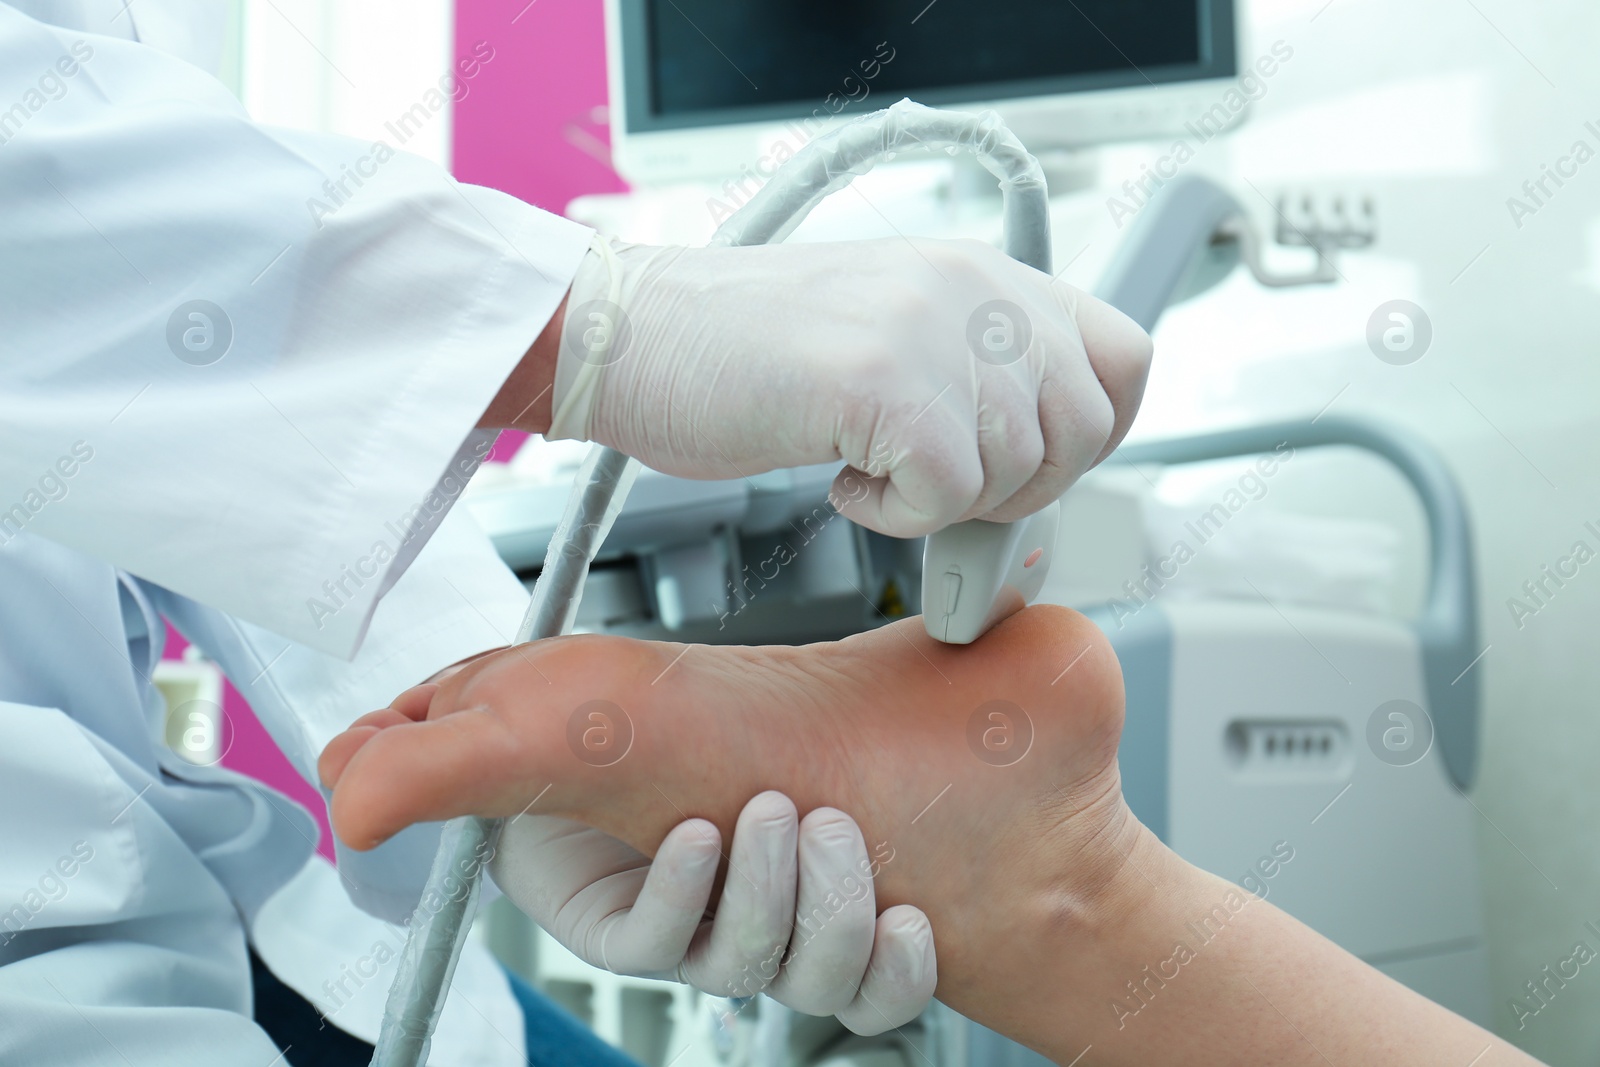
(616, 909)
(889, 355)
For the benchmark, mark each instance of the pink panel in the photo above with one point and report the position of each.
(506, 446)
(532, 123)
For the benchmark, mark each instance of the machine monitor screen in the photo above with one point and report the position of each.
(709, 62)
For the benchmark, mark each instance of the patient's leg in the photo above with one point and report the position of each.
(980, 775)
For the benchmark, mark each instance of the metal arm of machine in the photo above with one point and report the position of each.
(1154, 261)
(1191, 234)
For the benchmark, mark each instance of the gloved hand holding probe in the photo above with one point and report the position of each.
(962, 383)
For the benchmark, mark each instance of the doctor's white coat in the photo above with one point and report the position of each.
(222, 404)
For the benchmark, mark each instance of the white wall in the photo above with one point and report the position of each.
(1441, 109)
(347, 66)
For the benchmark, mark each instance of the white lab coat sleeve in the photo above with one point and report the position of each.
(456, 600)
(243, 363)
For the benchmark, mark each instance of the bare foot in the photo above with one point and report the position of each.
(984, 777)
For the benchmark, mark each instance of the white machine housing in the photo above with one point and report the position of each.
(1247, 741)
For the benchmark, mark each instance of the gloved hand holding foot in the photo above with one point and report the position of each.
(823, 951)
(798, 923)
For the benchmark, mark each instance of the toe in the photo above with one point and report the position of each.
(414, 702)
(334, 758)
(463, 764)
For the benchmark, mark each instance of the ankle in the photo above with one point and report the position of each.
(1100, 922)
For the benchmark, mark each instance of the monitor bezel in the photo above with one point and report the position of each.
(1220, 43)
